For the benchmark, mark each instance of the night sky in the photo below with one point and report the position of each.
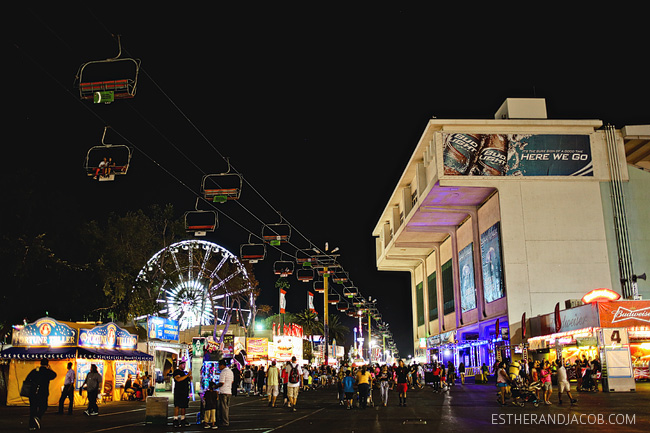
(319, 109)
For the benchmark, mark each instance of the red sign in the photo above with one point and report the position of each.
(624, 314)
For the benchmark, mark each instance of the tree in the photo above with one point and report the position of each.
(118, 249)
(337, 330)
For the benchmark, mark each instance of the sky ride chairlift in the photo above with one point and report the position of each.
(200, 222)
(283, 268)
(276, 234)
(105, 161)
(104, 81)
(221, 187)
(252, 252)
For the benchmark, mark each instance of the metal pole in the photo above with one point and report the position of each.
(325, 314)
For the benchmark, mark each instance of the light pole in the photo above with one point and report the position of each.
(326, 299)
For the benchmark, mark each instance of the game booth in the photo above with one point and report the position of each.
(108, 346)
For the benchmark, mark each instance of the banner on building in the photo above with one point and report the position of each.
(493, 286)
(467, 285)
(624, 314)
(517, 155)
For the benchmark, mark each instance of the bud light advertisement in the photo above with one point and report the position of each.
(517, 155)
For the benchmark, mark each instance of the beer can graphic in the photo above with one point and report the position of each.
(460, 153)
(493, 157)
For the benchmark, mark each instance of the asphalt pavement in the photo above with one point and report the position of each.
(467, 408)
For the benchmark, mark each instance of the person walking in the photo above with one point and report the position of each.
(40, 378)
(225, 391)
(437, 374)
(259, 381)
(272, 383)
(384, 384)
(293, 386)
(247, 379)
(181, 393)
(68, 390)
(502, 382)
(364, 383)
(461, 372)
(236, 378)
(348, 388)
(401, 373)
(563, 383)
(547, 385)
(210, 401)
(451, 373)
(93, 383)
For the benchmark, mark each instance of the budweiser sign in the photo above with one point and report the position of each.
(622, 314)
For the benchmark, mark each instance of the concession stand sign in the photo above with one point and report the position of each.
(618, 314)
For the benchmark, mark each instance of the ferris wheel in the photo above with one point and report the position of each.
(199, 282)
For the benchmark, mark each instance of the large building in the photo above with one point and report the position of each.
(498, 220)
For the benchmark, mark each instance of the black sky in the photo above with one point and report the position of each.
(319, 109)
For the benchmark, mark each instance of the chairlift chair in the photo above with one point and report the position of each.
(350, 291)
(283, 268)
(103, 81)
(340, 277)
(305, 258)
(252, 252)
(305, 274)
(200, 222)
(276, 234)
(342, 306)
(221, 187)
(319, 286)
(116, 159)
(334, 298)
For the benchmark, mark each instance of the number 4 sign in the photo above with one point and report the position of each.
(615, 336)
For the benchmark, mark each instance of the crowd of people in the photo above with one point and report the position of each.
(280, 384)
(537, 377)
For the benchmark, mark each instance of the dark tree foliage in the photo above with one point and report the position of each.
(116, 251)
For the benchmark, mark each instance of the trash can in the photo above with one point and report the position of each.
(156, 413)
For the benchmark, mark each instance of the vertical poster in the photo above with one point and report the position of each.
(467, 285)
(122, 371)
(493, 286)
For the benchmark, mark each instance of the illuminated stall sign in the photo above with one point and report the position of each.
(162, 328)
(493, 286)
(517, 155)
(257, 348)
(108, 336)
(45, 332)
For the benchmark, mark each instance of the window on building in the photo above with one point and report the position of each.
(419, 296)
(447, 288)
(433, 297)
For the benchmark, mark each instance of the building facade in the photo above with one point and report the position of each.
(499, 220)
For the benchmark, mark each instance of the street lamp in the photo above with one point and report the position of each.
(326, 300)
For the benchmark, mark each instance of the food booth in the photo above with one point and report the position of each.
(614, 331)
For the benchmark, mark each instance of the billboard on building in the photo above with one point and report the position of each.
(493, 286)
(517, 155)
(467, 285)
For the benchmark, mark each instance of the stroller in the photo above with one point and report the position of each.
(523, 393)
(588, 382)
